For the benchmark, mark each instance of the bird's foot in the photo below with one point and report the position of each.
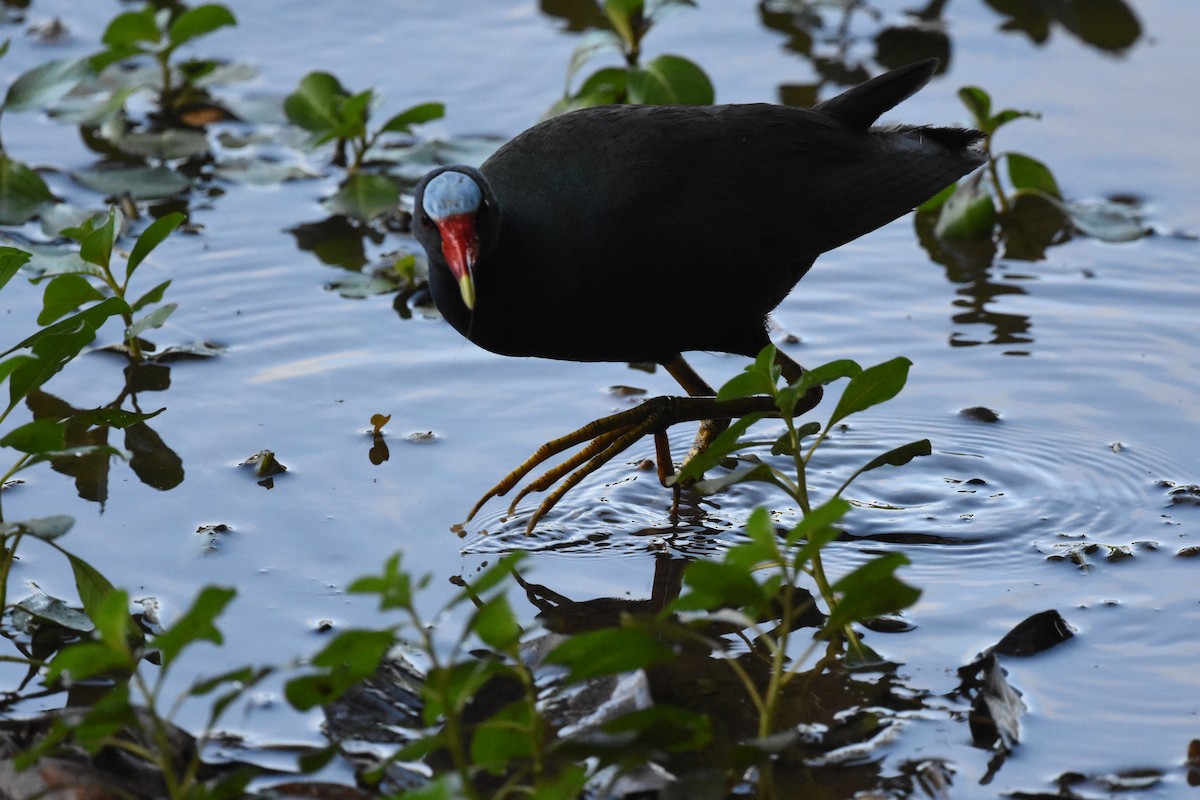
(609, 436)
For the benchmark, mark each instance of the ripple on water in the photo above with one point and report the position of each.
(985, 488)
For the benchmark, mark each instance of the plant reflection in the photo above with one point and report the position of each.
(970, 265)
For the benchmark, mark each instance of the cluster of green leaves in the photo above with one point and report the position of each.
(1028, 209)
(664, 80)
(93, 91)
(132, 662)
(324, 108)
(155, 35)
(871, 590)
(76, 302)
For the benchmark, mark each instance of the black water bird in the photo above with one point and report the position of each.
(637, 233)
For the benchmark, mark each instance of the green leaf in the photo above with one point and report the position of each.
(660, 728)
(350, 658)
(316, 102)
(491, 577)
(394, 586)
(45, 84)
(591, 43)
(128, 30)
(816, 529)
(498, 741)
(64, 294)
(163, 145)
(38, 436)
(364, 196)
(353, 115)
(603, 87)
(871, 590)
(1009, 114)
(762, 546)
(93, 588)
(154, 319)
(196, 624)
(447, 690)
(93, 316)
(11, 261)
(199, 21)
(97, 246)
(718, 449)
(872, 386)
(979, 103)
(670, 80)
(496, 624)
(425, 112)
(152, 296)
(51, 352)
(1106, 220)
(790, 395)
(900, 456)
(140, 183)
(104, 720)
(755, 470)
(758, 378)
(1029, 173)
(718, 584)
(969, 214)
(23, 193)
(609, 651)
(45, 528)
(626, 19)
(87, 660)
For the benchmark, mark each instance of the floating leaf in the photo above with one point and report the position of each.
(44, 608)
(164, 145)
(968, 214)
(261, 172)
(1106, 220)
(23, 193)
(365, 196)
(140, 183)
(46, 83)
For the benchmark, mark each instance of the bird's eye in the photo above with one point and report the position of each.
(426, 222)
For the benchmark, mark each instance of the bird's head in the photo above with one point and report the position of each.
(452, 220)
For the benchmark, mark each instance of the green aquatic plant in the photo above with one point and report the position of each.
(331, 113)
(1017, 198)
(664, 80)
(155, 35)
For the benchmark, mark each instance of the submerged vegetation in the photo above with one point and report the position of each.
(490, 715)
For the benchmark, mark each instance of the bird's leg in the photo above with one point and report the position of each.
(608, 437)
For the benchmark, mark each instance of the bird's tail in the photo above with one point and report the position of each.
(862, 105)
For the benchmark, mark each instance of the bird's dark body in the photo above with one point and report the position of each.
(634, 233)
